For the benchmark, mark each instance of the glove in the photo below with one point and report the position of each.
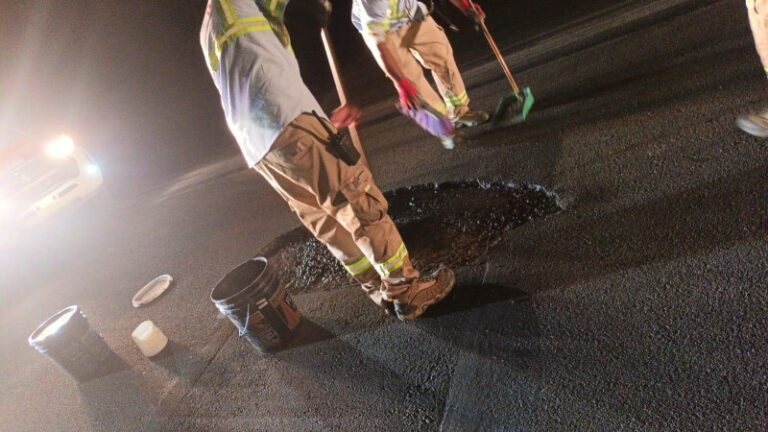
(473, 11)
(409, 97)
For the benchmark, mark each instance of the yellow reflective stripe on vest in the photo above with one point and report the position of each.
(241, 27)
(236, 27)
(394, 9)
(394, 16)
(228, 11)
(277, 7)
(359, 267)
(233, 31)
(394, 263)
(213, 58)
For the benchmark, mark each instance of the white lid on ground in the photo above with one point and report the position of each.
(152, 290)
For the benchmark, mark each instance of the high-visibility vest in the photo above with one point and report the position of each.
(236, 26)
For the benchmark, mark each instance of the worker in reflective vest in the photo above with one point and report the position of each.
(403, 38)
(757, 123)
(269, 110)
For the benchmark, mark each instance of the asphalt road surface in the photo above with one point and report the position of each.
(640, 307)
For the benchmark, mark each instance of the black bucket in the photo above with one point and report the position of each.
(258, 304)
(68, 340)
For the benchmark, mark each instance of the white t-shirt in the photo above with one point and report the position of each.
(375, 18)
(256, 74)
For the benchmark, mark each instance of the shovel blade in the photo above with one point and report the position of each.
(514, 108)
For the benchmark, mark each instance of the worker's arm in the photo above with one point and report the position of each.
(408, 96)
(471, 10)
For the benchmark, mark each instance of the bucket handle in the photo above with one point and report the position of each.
(244, 330)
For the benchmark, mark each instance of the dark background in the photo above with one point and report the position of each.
(128, 81)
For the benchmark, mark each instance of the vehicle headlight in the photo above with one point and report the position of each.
(92, 169)
(60, 147)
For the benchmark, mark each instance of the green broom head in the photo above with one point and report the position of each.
(514, 108)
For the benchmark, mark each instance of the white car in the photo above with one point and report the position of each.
(34, 188)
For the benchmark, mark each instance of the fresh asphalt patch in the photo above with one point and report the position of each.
(463, 221)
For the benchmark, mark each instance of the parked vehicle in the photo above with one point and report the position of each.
(35, 187)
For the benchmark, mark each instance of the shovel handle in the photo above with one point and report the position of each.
(497, 52)
(331, 54)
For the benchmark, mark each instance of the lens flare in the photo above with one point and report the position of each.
(60, 147)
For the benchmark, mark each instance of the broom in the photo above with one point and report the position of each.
(512, 108)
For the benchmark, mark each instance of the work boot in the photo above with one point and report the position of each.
(423, 293)
(370, 282)
(470, 118)
(373, 290)
(754, 124)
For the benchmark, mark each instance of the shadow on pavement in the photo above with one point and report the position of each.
(115, 400)
(498, 339)
(308, 333)
(180, 361)
(717, 214)
(318, 382)
(487, 320)
(322, 373)
(473, 296)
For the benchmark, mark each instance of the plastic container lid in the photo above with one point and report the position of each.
(152, 290)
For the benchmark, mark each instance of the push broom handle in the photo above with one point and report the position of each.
(340, 89)
(497, 52)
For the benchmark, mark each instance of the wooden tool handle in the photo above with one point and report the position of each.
(497, 52)
(331, 54)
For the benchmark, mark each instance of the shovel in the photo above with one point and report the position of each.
(331, 54)
(513, 108)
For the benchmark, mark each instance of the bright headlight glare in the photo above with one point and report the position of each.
(60, 147)
(92, 169)
(6, 208)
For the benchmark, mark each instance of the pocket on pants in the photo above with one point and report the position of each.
(291, 154)
(365, 199)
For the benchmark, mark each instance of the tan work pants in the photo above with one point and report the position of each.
(758, 20)
(339, 204)
(423, 43)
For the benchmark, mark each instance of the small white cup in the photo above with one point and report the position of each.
(149, 338)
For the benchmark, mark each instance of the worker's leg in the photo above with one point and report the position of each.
(327, 230)
(409, 66)
(757, 123)
(301, 168)
(432, 48)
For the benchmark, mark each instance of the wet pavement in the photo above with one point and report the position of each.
(640, 306)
